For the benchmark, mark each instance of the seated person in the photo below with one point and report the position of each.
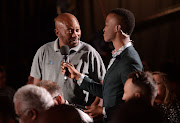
(140, 86)
(60, 114)
(166, 101)
(135, 111)
(30, 101)
(140, 91)
(55, 90)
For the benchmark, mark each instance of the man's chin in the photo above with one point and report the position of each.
(74, 43)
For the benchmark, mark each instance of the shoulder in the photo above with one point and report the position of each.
(131, 54)
(88, 48)
(85, 117)
(47, 46)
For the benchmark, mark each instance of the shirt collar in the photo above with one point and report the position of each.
(120, 50)
(77, 47)
(57, 49)
(56, 45)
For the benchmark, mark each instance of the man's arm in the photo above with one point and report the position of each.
(36, 81)
(87, 83)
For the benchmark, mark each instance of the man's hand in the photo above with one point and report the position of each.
(73, 73)
(94, 110)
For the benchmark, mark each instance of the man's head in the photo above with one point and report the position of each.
(67, 29)
(54, 89)
(60, 114)
(29, 101)
(118, 20)
(141, 86)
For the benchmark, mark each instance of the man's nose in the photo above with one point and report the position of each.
(103, 29)
(75, 34)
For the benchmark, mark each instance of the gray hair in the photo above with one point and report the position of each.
(33, 97)
(52, 87)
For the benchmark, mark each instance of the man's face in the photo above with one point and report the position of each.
(109, 29)
(130, 91)
(69, 32)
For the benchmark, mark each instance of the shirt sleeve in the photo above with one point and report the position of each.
(36, 68)
(80, 79)
(96, 68)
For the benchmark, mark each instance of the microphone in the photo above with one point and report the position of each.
(65, 52)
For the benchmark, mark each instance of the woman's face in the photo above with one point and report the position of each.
(161, 87)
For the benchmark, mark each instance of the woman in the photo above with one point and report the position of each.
(166, 101)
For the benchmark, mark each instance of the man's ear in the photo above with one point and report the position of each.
(56, 32)
(138, 95)
(118, 28)
(59, 99)
(33, 114)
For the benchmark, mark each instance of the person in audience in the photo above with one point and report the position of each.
(135, 111)
(55, 90)
(140, 91)
(166, 101)
(29, 101)
(140, 86)
(60, 114)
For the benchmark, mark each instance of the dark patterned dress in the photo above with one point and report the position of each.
(170, 112)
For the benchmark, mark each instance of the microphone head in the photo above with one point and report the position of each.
(64, 50)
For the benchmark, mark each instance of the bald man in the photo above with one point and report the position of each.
(47, 61)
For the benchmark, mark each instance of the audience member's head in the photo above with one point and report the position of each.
(29, 101)
(60, 114)
(3, 78)
(67, 29)
(165, 92)
(133, 112)
(54, 89)
(140, 86)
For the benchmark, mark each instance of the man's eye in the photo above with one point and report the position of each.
(71, 31)
(77, 30)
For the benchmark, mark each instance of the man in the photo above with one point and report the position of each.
(55, 90)
(119, 26)
(30, 101)
(47, 61)
(140, 86)
(60, 114)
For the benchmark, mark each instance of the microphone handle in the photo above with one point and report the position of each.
(66, 73)
(66, 60)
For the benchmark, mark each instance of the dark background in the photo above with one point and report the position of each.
(25, 25)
